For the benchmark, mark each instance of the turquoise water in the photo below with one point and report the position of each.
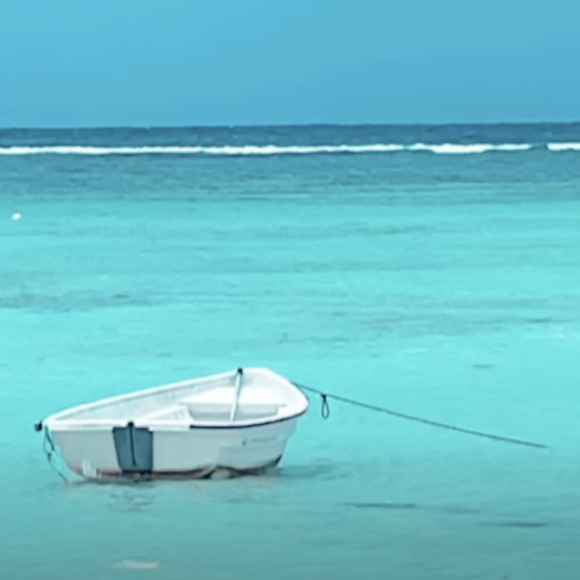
(447, 286)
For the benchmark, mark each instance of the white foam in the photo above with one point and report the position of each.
(228, 150)
(564, 146)
(197, 150)
(455, 149)
(86, 150)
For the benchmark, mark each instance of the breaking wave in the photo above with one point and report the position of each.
(256, 150)
(564, 146)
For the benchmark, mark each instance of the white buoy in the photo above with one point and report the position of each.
(16, 216)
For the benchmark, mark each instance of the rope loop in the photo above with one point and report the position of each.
(325, 406)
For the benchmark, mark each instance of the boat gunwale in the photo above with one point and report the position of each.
(108, 425)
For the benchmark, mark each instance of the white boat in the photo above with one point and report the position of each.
(238, 421)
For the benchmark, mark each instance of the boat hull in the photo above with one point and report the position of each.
(137, 451)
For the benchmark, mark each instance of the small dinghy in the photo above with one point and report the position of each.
(238, 421)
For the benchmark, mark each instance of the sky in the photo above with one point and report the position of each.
(67, 63)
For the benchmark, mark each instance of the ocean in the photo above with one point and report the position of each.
(432, 270)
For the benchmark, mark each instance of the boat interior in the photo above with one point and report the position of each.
(238, 397)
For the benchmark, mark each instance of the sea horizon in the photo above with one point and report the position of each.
(282, 125)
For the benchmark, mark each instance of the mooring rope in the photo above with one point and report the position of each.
(326, 413)
(52, 454)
